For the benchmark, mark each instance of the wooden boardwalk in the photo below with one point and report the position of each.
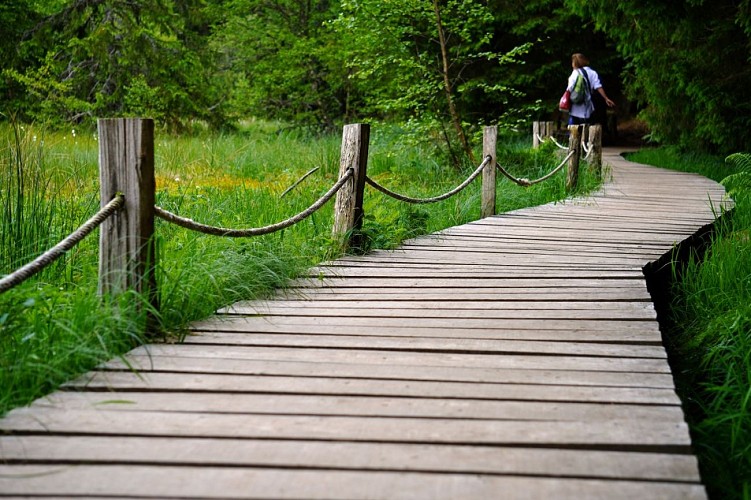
(513, 357)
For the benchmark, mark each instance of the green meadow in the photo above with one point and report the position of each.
(54, 326)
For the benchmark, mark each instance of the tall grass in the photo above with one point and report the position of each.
(710, 333)
(54, 326)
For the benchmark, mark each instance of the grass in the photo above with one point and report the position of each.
(54, 326)
(710, 333)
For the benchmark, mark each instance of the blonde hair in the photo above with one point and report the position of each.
(579, 60)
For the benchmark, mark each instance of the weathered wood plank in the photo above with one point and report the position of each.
(333, 383)
(522, 384)
(571, 294)
(371, 406)
(531, 283)
(463, 345)
(234, 327)
(448, 314)
(469, 324)
(374, 356)
(224, 482)
(259, 306)
(548, 462)
(655, 435)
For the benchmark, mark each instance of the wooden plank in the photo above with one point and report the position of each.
(654, 435)
(373, 356)
(572, 294)
(546, 462)
(259, 306)
(224, 482)
(522, 384)
(499, 273)
(333, 384)
(463, 345)
(468, 324)
(448, 314)
(531, 283)
(370, 406)
(242, 325)
(512, 256)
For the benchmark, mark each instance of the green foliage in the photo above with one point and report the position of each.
(109, 58)
(739, 184)
(284, 62)
(715, 310)
(398, 69)
(689, 65)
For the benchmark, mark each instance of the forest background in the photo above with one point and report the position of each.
(440, 65)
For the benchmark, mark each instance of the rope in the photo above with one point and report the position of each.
(51, 255)
(293, 186)
(558, 143)
(526, 182)
(588, 151)
(243, 233)
(436, 198)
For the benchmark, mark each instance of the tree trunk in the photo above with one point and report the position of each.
(447, 85)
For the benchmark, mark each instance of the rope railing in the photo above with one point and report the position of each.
(560, 146)
(588, 147)
(244, 233)
(127, 167)
(298, 181)
(27, 271)
(521, 181)
(541, 139)
(442, 197)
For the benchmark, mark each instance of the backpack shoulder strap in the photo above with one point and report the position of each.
(583, 72)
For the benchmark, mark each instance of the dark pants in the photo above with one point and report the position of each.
(575, 120)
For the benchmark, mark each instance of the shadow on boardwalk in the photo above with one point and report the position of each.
(515, 356)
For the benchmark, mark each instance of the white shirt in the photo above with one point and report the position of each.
(584, 109)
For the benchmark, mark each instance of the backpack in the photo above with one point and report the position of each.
(581, 88)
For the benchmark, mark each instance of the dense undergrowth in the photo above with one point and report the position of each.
(54, 326)
(709, 330)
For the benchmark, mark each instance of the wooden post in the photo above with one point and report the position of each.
(541, 131)
(574, 146)
(595, 138)
(536, 134)
(348, 212)
(127, 256)
(489, 139)
(549, 129)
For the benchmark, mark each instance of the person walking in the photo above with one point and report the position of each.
(583, 113)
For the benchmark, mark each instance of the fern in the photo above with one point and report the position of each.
(739, 183)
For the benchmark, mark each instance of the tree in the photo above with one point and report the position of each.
(283, 60)
(423, 62)
(110, 58)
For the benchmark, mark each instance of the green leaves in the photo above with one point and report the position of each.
(739, 183)
(109, 58)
